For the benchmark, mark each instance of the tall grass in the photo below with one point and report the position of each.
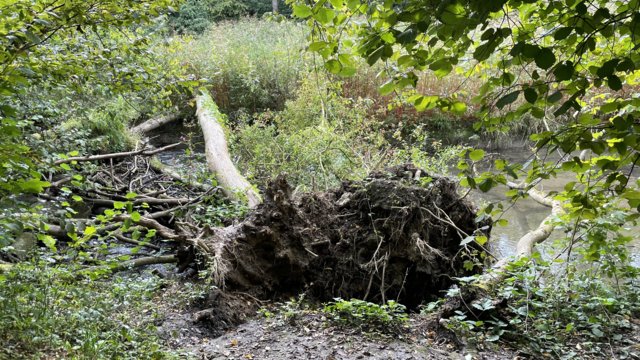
(251, 65)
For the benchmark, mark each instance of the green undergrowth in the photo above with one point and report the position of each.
(573, 314)
(361, 315)
(45, 312)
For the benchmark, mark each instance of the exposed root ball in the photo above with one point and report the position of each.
(391, 236)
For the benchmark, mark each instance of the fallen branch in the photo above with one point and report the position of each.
(143, 152)
(158, 166)
(527, 243)
(147, 200)
(155, 123)
(161, 230)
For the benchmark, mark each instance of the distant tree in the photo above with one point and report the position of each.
(196, 16)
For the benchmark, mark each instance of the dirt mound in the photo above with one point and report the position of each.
(394, 235)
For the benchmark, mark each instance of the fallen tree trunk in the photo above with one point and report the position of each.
(526, 244)
(234, 185)
(157, 122)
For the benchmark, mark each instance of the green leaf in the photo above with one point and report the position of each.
(608, 68)
(530, 95)
(564, 71)
(476, 155)
(131, 195)
(89, 230)
(545, 58)
(562, 33)
(387, 88)
(453, 14)
(32, 185)
(324, 15)
(333, 66)
(135, 216)
(507, 99)
(614, 82)
(302, 11)
(48, 240)
(118, 205)
(423, 103)
(555, 97)
(458, 107)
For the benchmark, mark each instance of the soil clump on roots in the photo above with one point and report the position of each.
(392, 236)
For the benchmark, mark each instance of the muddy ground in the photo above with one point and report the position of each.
(309, 335)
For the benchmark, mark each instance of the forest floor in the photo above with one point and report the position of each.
(304, 333)
(308, 335)
(297, 330)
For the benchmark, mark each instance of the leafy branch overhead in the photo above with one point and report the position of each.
(574, 60)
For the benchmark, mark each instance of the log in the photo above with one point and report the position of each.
(156, 122)
(234, 185)
(149, 260)
(526, 244)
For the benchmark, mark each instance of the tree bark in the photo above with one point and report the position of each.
(219, 161)
(274, 6)
(155, 123)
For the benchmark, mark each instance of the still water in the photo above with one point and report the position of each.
(526, 214)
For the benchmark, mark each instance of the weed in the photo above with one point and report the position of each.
(367, 316)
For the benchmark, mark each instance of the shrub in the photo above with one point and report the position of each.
(195, 16)
(319, 139)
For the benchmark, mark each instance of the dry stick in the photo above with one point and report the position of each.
(161, 230)
(123, 238)
(148, 200)
(143, 152)
(60, 233)
(157, 166)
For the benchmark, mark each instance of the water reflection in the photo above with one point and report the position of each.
(526, 214)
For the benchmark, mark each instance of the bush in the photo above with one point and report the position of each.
(103, 128)
(319, 139)
(552, 317)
